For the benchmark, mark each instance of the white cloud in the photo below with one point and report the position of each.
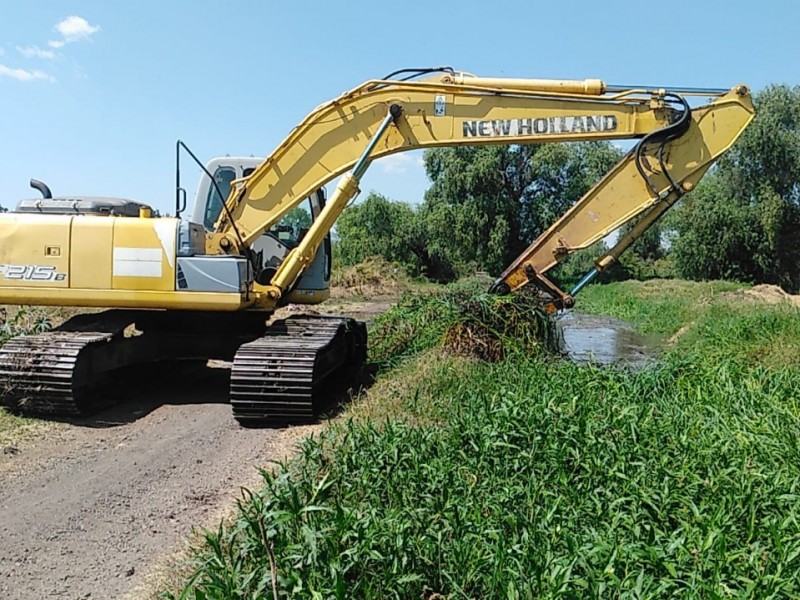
(24, 75)
(398, 164)
(75, 29)
(35, 52)
(72, 29)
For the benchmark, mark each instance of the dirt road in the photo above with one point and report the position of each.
(90, 509)
(87, 511)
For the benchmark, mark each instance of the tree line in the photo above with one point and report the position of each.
(486, 204)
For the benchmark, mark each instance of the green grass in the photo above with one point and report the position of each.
(10, 427)
(534, 478)
(711, 323)
(656, 306)
(744, 336)
(24, 321)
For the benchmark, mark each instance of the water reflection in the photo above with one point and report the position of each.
(605, 340)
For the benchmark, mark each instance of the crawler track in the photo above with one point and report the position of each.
(279, 372)
(79, 367)
(285, 375)
(52, 373)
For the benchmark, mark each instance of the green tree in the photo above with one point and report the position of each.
(378, 226)
(298, 218)
(647, 257)
(486, 204)
(743, 222)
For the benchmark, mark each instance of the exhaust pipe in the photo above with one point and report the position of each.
(42, 187)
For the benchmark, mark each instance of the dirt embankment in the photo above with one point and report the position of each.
(91, 508)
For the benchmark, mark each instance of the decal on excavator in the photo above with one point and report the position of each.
(539, 126)
(31, 273)
(439, 106)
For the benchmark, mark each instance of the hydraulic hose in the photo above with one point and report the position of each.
(662, 137)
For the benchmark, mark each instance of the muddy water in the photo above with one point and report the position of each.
(605, 340)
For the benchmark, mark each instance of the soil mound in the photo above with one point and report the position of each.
(766, 294)
(373, 277)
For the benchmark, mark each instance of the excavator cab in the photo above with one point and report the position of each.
(276, 243)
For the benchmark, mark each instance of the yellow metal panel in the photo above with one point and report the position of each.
(34, 250)
(329, 141)
(143, 255)
(90, 258)
(38, 247)
(124, 298)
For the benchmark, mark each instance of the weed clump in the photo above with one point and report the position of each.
(489, 328)
(465, 323)
(24, 321)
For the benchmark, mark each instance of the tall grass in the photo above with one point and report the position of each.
(531, 478)
(372, 277)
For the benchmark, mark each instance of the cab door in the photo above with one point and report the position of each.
(278, 241)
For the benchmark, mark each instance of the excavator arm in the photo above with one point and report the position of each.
(677, 145)
(636, 186)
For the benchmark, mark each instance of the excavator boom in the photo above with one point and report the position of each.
(448, 111)
(678, 144)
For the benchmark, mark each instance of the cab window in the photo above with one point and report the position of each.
(224, 176)
(294, 225)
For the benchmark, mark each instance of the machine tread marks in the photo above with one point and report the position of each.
(288, 374)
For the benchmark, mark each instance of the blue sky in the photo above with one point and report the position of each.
(93, 94)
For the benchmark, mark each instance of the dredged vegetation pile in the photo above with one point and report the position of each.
(534, 478)
(465, 323)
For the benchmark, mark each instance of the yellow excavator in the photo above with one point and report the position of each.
(178, 290)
